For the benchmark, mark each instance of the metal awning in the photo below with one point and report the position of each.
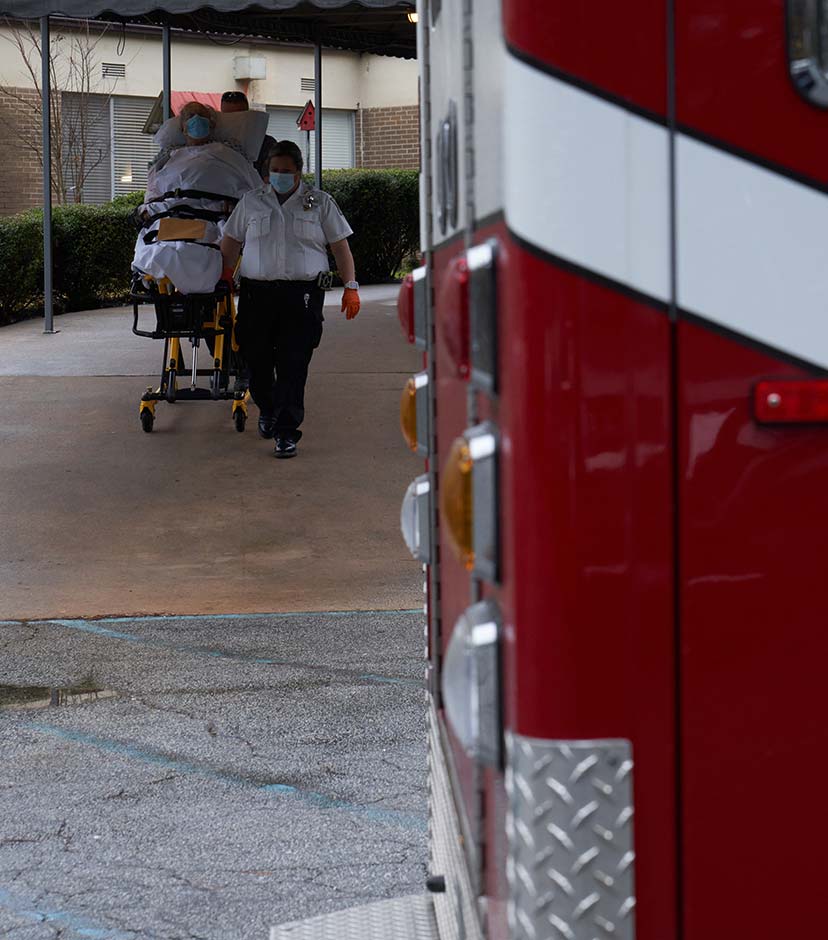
(378, 26)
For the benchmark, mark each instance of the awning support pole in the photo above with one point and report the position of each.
(166, 66)
(46, 105)
(317, 81)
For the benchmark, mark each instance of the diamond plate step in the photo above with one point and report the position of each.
(409, 918)
(571, 866)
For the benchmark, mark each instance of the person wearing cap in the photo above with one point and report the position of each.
(285, 227)
(232, 101)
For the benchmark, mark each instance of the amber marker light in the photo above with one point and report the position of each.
(414, 406)
(456, 502)
(408, 413)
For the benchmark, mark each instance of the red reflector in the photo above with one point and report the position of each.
(453, 315)
(405, 307)
(791, 402)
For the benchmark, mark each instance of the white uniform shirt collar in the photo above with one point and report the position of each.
(296, 194)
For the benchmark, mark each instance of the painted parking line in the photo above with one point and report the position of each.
(95, 628)
(59, 918)
(309, 797)
(85, 626)
(275, 615)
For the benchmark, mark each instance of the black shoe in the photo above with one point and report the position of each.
(265, 427)
(285, 447)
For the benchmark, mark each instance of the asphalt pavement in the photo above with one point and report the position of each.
(228, 775)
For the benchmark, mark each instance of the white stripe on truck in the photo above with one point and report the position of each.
(586, 180)
(752, 250)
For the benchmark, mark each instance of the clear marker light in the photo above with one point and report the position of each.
(471, 682)
(414, 519)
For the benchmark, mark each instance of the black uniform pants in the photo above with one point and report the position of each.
(279, 325)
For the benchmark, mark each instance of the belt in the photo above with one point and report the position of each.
(151, 238)
(196, 194)
(313, 282)
(185, 211)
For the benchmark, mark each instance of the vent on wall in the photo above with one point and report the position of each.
(307, 85)
(113, 70)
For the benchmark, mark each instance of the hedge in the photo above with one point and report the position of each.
(93, 245)
(382, 207)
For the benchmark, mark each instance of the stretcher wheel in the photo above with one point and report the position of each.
(239, 419)
(147, 420)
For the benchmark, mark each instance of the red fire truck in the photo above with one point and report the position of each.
(624, 316)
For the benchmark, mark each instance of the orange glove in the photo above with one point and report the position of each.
(350, 303)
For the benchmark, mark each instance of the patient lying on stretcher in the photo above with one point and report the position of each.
(189, 197)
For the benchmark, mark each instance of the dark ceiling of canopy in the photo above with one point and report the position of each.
(379, 26)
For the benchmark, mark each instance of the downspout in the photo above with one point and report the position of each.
(46, 106)
(166, 68)
(317, 81)
(361, 135)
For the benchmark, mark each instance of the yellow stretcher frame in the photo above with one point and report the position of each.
(221, 328)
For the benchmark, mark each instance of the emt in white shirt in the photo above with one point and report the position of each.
(284, 227)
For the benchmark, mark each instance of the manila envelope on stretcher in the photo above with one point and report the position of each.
(173, 230)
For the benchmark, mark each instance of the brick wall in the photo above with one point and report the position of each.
(21, 180)
(388, 137)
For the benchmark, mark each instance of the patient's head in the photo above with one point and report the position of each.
(197, 122)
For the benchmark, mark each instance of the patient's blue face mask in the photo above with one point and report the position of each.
(198, 127)
(283, 182)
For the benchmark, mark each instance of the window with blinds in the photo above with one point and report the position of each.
(132, 149)
(337, 136)
(86, 151)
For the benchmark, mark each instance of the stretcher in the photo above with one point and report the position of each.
(177, 263)
(208, 318)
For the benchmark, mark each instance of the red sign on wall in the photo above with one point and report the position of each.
(307, 119)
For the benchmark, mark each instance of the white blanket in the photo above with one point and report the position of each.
(193, 267)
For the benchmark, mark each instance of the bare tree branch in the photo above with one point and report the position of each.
(78, 104)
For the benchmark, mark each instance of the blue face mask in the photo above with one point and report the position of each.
(198, 127)
(282, 182)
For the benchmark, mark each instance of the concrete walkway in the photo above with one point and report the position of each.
(100, 518)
